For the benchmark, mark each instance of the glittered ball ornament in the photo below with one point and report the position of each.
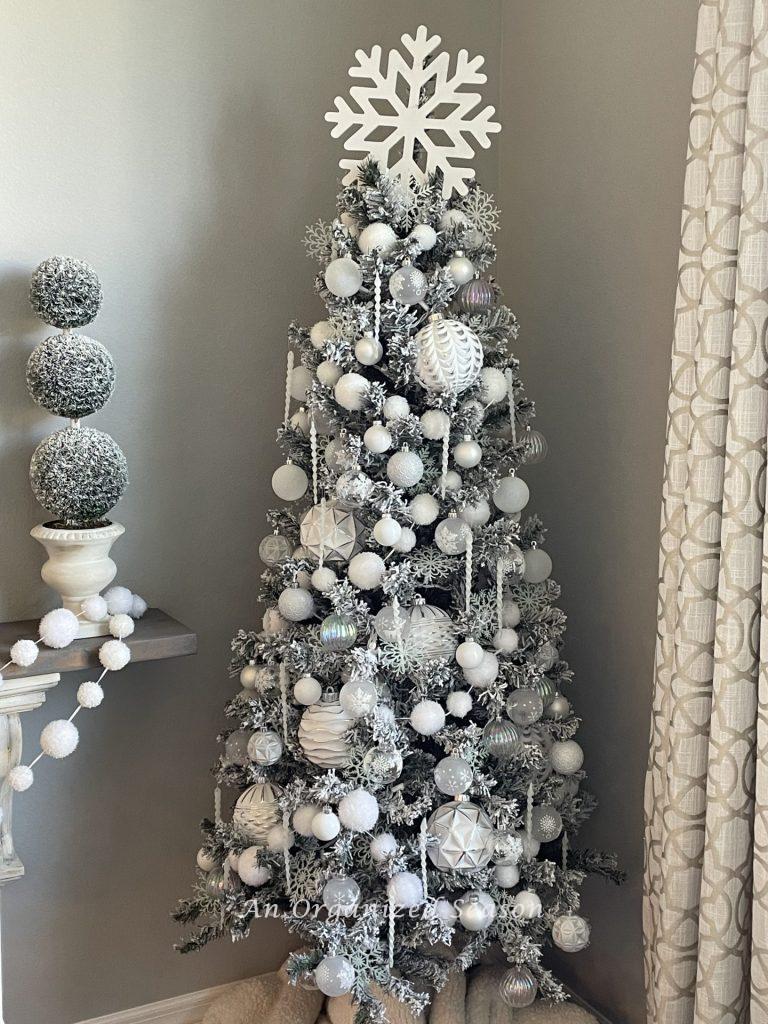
(323, 734)
(467, 453)
(90, 694)
(486, 672)
(351, 391)
(435, 424)
(424, 236)
(274, 548)
(307, 690)
(570, 932)
(326, 825)
(511, 494)
(432, 633)
(424, 509)
(366, 570)
(427, 717)
(368, 351)
(475, 297)
(566, 757)
(265, 747)
(58, 628)
(453, 775)
(353, 487)
(469, 654)
(377, 438)
(256, 812)
(335, 976)
(476, 514)
(510, 613)
(358, 697)
(526, 905)
(337, 632)
(289, 482)
(251, 868)
(464, 837)
(320, 333)
(359, 811)
(343, 277)
(341, 896)
(386, 531)
(78, 474)
(379, 236)
(396, 408)
(525, 706)
(405, 468)
(452, 535)
(408, 285)
(70, 375)
(501, 739)
(405, 890)
(65, 292)
(114, 655)
(493, 385)
(296, 604)
(461, 269)
(323, 579)
(449, 356)
(538, 566)
(518, 988)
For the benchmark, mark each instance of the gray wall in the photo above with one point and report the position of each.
(181, 149)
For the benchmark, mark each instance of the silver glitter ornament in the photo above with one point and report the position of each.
(337, 632)
(545, 657)
(332, 530)
(65, 292)
(518, 988)
(464, 835)
(557, 708)
(501, 739)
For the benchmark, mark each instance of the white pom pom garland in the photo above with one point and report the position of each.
(94, 608)
(121, 625)
(59, 738)
(20, 778)
(405, 890)
(59, 628)
(119, 600)
(89, 695)
(114, 655)
(24, 653)
(359, 811)
(138, 606)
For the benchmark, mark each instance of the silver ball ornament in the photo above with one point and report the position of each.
(325, 826)
(536, 447)
(382, 766)
(467, 453)
(391, 623)
(475, 914)
(452, 536)
(525, 706)
(511, 494)
(460, 269)
(408, 285)
(341, 896)
(546, 824)
(501, 739)
(335, 976)
(358, 698)
(265, 748)
(453, 775)
(557, 708)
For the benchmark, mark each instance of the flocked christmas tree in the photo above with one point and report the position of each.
(402, 741)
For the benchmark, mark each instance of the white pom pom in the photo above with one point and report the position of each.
(280, 838)
(359, 811)
(407, 540)
(383, 846)
(119, 600)
(427, 718)
(366, 570)
(302, 818)
(95, 608)
(249, 868)
(459, 703)
(204, 860)
(59, 628)
(138, 606)
(59, 738)
(405, 890)
(121, 625)
(89, 695)
(114, 655)
(396, 408)
(20, 778)
(24, 653)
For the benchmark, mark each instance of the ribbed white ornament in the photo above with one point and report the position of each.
(449, 356)
(322, 734)
(256, 812)
(432, 633)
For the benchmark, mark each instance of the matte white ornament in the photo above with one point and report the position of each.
(322, 734)
(90, 694)
(467, 453)
(256, 812)
(464, 836)
(233, 859)
(538, 566)
(459, 703)
(366, 570)
(290, 482)
(415, 143)
(460, 268)
(510, 613)
(326, 826)
(328, 372)
(506, 876)
(408, 285)
(566, 756)
(114, 655)
(95, 609)
(332, 530)
(477, 514)
(24, 653)
(511, 495)
(485, 673)
(301, 382)
(121, 626)
(435, 424)
(359, 810)
(320, 333)
(405, 890)
(493, 385)
(570, 932)
(431, 633)
(265, 748)
(452, 536)
(351, 391)
(343, 277)
(119, 600)
(250, 869)
(59, 738)
(469, 654)
(406, 541)
(60, 627)
(449, 356)
(386, 531)
(303, 817)
(424, 236)
(405, 468)
(377, 235)
(383, 846)
(427, 717)
(307, 690)
(453, 775)
(341, 896)
(368, 351)
(377, 438)
(506, 640)
(324, 579)
(280, 838)
(477, 911)
(205, 860)
(396, 408)
(358, 697)
(296, 604)
(334, 976)
(249, 677)
(526, 905)
(20, 778)
(424, 509)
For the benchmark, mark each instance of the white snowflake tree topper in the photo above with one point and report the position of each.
(433, 124)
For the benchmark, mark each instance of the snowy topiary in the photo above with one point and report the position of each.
(71, 375)
(65, 292)
(78, 474)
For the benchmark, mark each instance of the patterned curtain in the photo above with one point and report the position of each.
(706, 877)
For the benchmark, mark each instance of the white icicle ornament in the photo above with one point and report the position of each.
(449, 356)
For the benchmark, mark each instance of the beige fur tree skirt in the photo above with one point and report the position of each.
(271, 999)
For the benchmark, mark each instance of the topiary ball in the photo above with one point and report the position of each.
(78, 474)
(65, 292)
(71, 375)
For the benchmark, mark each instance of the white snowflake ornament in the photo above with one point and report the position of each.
(433, 106)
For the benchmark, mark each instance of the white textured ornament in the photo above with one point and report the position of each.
(427, 717)
(435, 424)
(20, 778)
(506, 876)
(119, 600)
(95, 609)
(405, 890)
(273, 622)
(303, 817)
(477, 514)
(415, 143)
(570, 932)
(449, 356)
(250, 869)
(566, 757)
(485, 673)
(377, 235)
(60, 627)
(538, 566)
(510, 613)
(406, 541)
(351, 391)
(424, 236)
(121, 625)
(328, 373)
(396, 408)
(359, 811)
(493, 385)
(331, 530)
(366, 570)
(296, 604)
(90, 694)
(464, 835)
(320, 333)
(280, 838)
(256, 812)
(506, 640)
(431, 633)
(322, 734)
(383, 846)
(452, 481)
(324, 579)
(343, 277)
(459, 703)
(526, 905)
(24, 653)
(290, 482)
(424, 509)
(59, 738)
(307, 690)
(405, 468)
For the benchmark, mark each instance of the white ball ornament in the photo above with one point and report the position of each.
(89, 694)
(343, 277)
(475, 914)
(250, 869)
(485, 673)
(424, 509)
(408, 285)
(289, 482)
(301, 382)
(467, 453)
(326, 826)
(328, 374)
(493, 385)
(383, 846)
(205, 861)
(121, 626)
(469, 654)
(368, 351)
(449, 356)
(452, 481)
(323, 579)
(138, 607)
(406, 541)
(452, 536)
(341, 896)
(303, 817)
(424, 236)
(307, 690)
(506, 876)
(506, 640)
(377, 438)
(405, 889)
(95, 609)
(405, 468)
(351, 391)
(24, 653)
(320, 333)
(59, 738)
(538, 566)
(279, 838)
(453, 776)
(359, 811)
(477, 514)
(114, 655)
(453, 219)
(334, 976)
(396, 408)
(119, 600)
(526, 905)
(459, 703)
(435, 424)
(20, 778)
(427, 718)
(386, 531)
(460, 268)
(296, 604)
(566, 757)
(366, 570)
(510, 613)
(358, 697)
(570, 932)
(60, 627)
(511, 495)
(378, 236)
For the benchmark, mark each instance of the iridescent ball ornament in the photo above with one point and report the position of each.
(464, 837)
(501, 739)
(338, 632)
(475, 297)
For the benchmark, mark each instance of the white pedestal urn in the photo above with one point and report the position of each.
(79, 565)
